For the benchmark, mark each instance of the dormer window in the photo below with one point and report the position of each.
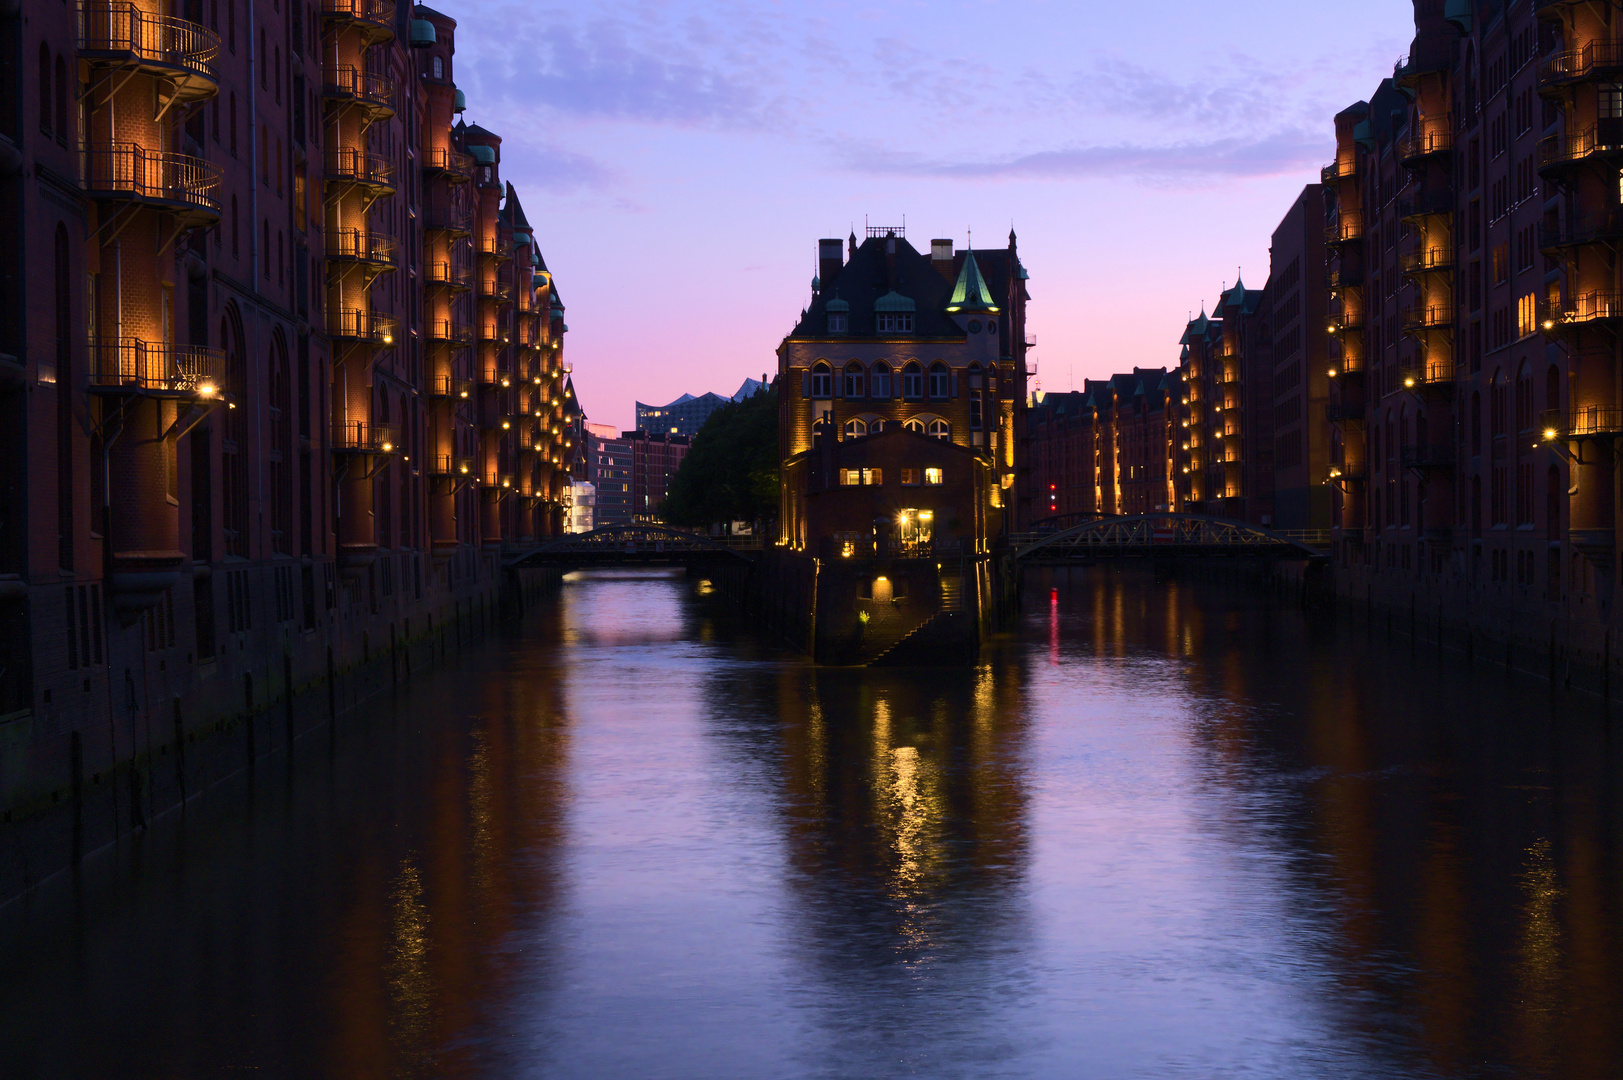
(837, 323)
(895, 323)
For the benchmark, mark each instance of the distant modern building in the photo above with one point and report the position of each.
(687, 414)
(582, 506)
(609, 473)
(631, 472)
(654, 461)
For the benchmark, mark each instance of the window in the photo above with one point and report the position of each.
(910, 478)
(939, 384)
(861, 477)
(1526, 316)
(837, 322)
(912, 381)
(44, 88)
(895, 322)
(873, 476)
(853, 381)
(822, 382)
(876, 427)
(855, 428)
(940, 429)
(1609, 101)
(879, 381)
(914, 425)
(933, 477)
(439, 67)
(61, 101)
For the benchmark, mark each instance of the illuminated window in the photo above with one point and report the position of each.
(1526, 317)
(910, 477)
(873, 476)
(850, 477)
(856, 427)
(933, 476)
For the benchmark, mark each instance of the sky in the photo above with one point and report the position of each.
(680, 159)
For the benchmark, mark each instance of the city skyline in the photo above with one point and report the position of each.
(703, 143)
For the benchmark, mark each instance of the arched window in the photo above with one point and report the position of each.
(914, 425)
(1524, 398)
(879, 381)
(44, 88)
(855, 428)
(940, 429)
(822, 381)
(439, 67)
(61, 100)
(875, 427)
(976, 415)
(939, 382)
(912, 381)
(853, 380)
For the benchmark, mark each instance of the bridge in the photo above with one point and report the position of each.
(1164, 536)
(632, 544)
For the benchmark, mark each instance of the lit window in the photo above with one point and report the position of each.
(940, 429)
(850, 477)
(933, 476)
(910, 477)
(855, 427)
(873, 476)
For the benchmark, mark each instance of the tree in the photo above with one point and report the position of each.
(731, 471)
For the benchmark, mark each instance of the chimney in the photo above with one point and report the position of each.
(828, 261)
(941, 257)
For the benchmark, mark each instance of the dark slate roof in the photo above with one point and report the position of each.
(870, 275)
(475, 129)
(514, 210)
(423, 11)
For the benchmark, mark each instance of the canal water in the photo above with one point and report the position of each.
(1166, 830)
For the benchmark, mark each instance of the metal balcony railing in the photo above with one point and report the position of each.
(494, 374)
(1594, 60)
(365, 437)
(1585, 421)
(353, 165)
(1426, 204)
(1420, 144)
(1426, 317)
(440, 219)
(127, 171)
(451, 273)
(1601, 227)
(448, 386)
(1343, 412)
(1348, 226)
(1559, 151)
(1426, 260)
(1339, 170)
(364, 87)
(1341, 277)
(1584, 308)
(378, 14)
(125, 363)
(451, 330)
(495, 245)
(185, 50)
(449, 160)
(1429, 373)
(359, 245)
(366, 326)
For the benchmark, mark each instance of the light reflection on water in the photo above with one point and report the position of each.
(1160, 832)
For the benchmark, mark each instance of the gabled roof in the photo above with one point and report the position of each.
(514, 211)
(970, 292)
(475, 129)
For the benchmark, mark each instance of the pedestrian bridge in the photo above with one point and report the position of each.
(636, 544)
(1164, 536)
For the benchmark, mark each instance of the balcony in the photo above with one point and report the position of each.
(372, 93)
(456, 276)
(1347, 228)
(1339, 170)
(1427, 456)
(1343, 412)
(373, 18)
(183, 185)
(1581, 310)
(454, 165)
(495, 289)
(1418, 318)
(450, 331)
(1426, 204)
(364, 437)
(1596, 60)
(1584, 422)
(177, 50)
(348, 165)
(495, 246)
(1602, 143)
(1427, 261)
(1431, 373)
(1605, 227)
(362, 327)
(1343, 323)
(446, 386)
(130, 365)
(1416, 147)
(494, 374)
(1342, 277)
(377, 251)
(453, 222)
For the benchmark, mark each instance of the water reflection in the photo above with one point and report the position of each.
(1162, 831)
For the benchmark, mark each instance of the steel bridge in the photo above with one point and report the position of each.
(1160, 536)
(635, 544)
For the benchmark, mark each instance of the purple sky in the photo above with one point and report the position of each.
(679, 159)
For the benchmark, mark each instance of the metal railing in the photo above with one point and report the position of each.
(359, 245)
(365, 437)
(495, 245)
(1557, 150)
(452, 272)
(1419, 144)
(1426, 203)
(451, 465)
(125, 170)
(1338, 170)
(359, 167)
(448, 386)
(452, 330)
(155, 366)
(1348, 226)
(153, 39)
(1587, 229)
(445, 219)
(448, 159)
(362, 325)
(1579, 64)
(370, 88)
(1585, 420)
(1584, 308)
(1344, 278)
(1429, 373)
(1426, 317)
(378, 12)
(1426, 260)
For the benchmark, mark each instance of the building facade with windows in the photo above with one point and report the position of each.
(687, 414)
(281, 367)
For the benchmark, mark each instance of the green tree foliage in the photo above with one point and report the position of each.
(731, 471)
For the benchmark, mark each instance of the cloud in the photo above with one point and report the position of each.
(1233, 157)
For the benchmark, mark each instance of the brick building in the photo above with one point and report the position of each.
(904, 370)
(655, 457)
(1300, 377)
(1108, 448)
(280, 364)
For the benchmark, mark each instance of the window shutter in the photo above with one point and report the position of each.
(805, 384)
